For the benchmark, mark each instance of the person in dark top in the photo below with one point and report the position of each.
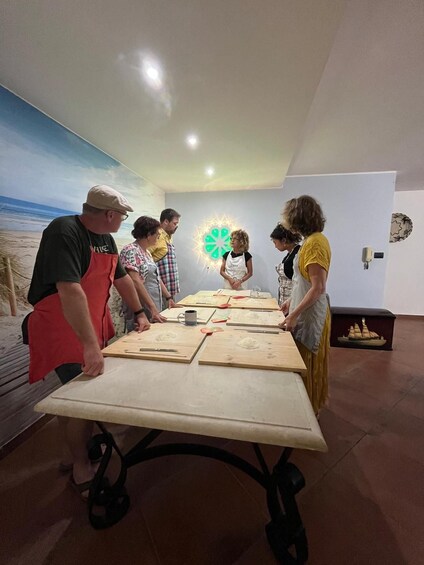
(75, 266)
(237, 266)
(285, 241)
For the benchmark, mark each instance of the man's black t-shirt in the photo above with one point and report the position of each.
(64, 256)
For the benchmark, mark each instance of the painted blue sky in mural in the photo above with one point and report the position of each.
(43, 163)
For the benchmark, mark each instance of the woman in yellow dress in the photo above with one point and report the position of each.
(308, 312)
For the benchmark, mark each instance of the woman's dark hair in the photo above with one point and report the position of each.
(282, 234)
(144, 226)
(303, 215)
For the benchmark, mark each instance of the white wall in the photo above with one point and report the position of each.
(404, 290)
(256, 211)
(358, 209)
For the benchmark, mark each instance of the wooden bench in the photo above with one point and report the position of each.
(378, 321)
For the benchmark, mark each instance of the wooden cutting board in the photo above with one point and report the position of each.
(276, 352)
(205, 293)
(185, 340)
(203, 314)
(202, 300)
(231, 292)
(254, 303)
(239, 317)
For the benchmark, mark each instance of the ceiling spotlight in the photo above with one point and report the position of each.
(192, 141)
(209, 171)
(152, 72)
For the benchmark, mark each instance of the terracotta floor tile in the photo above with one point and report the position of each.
(363, 503)
(413, 402)
(257, 553)
(345, 527)
(391, 480)
(339, 434)
(354, 406)
(152, 473)
(201, 515)
(381, 378)
(401, 433)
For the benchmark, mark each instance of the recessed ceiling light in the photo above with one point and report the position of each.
(192, 141)
(209, 171)
(152, 72)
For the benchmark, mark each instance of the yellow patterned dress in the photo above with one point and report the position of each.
(316, 250)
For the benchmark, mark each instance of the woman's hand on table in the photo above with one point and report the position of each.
(141, 322)
(285, 307)
(289, 323)
(172, 304)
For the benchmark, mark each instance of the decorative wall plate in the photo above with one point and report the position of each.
(401, 227)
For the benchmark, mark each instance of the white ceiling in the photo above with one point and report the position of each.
(272, 87)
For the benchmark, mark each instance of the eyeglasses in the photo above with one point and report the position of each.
(123, 216)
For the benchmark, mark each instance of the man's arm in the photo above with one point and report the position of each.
(75, 309)
(126, 289)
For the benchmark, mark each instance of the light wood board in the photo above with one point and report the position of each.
(202, 300)
(277, 352)
(255, 318)
(254, 303)
(231, 292)
(186, 340)
(203, 314)
(205, 293)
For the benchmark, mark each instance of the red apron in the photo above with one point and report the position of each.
(52, 341)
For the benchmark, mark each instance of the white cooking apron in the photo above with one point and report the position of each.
(235, 267)
(310, 322)
(152, 284)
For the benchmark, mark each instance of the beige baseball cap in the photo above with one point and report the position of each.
(104, 197)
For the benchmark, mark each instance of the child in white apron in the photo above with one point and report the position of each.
(237, 265)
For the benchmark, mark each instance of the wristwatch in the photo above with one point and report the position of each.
(138, 312)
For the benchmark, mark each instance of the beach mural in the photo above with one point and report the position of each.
(45, 172)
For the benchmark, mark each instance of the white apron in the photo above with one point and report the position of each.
(310, 322)
(235, 267)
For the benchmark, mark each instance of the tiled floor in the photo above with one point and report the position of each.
(363, 503)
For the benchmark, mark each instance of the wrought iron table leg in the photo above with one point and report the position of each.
(285, 531)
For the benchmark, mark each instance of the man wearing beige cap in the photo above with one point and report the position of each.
(76, 264)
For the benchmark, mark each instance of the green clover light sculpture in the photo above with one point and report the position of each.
(217, 242)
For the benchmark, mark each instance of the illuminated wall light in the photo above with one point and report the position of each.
(192, 141)
(212, 240)
(209, 171)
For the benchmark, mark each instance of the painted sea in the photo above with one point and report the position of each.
(20, 215)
